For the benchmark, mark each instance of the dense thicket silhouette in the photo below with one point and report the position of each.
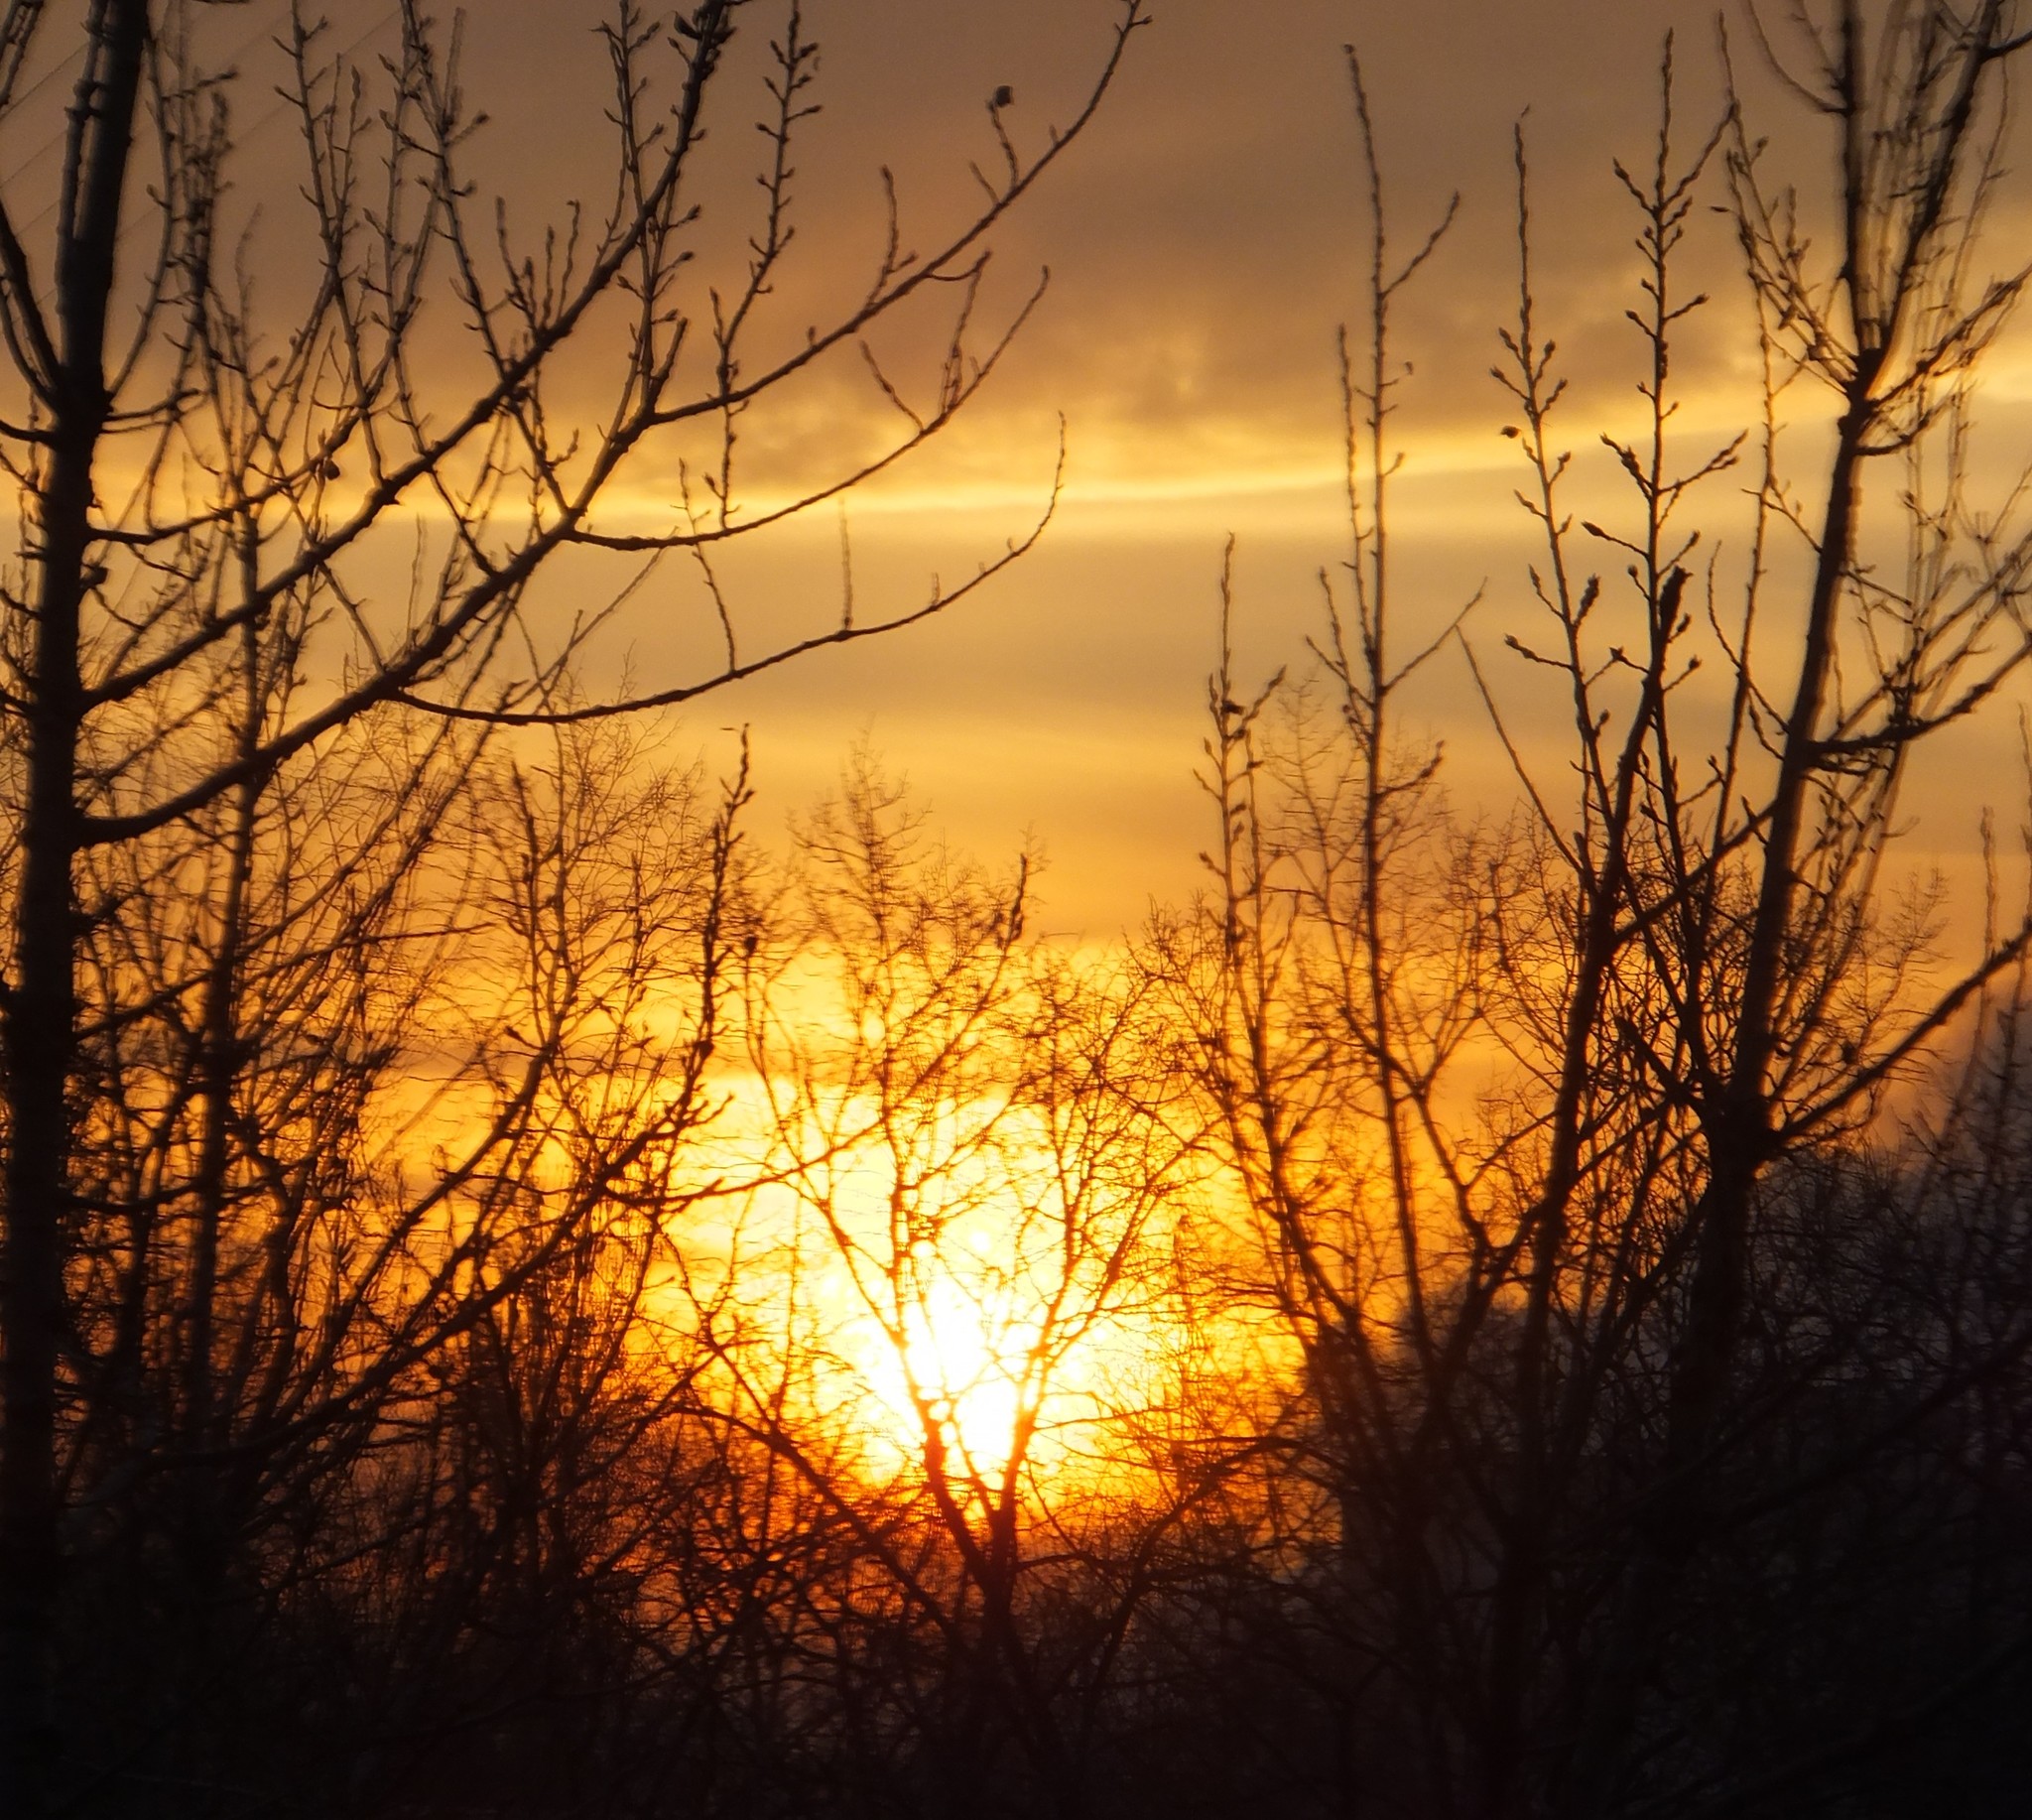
(520, 1301)
(241, 863)
(1528, 1305)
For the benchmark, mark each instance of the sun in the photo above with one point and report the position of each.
(953, 1361)
(972, 1324)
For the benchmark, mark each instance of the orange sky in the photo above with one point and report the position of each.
(1204, 242)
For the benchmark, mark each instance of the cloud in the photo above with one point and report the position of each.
(1205, 241)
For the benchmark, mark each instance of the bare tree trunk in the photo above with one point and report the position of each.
(1739, 1142)
(41, 1006)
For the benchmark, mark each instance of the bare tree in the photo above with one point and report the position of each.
(202, 499)
(1518, 1311)
(1789, 1015)
(942, 1336)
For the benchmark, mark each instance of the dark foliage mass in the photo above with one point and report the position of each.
(517, 1303)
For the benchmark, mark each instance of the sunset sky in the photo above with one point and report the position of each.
(849, 974)
(1204, 240)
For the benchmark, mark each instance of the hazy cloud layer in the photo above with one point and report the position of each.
(1204, 240)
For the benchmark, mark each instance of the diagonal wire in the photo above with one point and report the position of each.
(49, 75)
(246, 136)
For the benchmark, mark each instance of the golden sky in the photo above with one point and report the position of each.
(1204, 240)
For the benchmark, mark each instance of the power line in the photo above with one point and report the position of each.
(77, 54)
(42, 81)
(264, 33)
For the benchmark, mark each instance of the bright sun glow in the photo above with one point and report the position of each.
(951, 1308)
(963, 1369)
